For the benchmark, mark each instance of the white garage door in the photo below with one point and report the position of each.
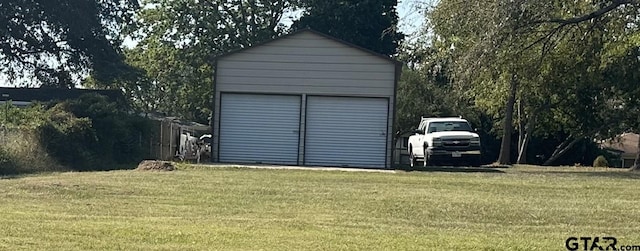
(259, 128)
(346, 131)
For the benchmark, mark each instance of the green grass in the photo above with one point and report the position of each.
(198, 208)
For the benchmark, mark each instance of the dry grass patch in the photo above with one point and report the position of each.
(155, 165)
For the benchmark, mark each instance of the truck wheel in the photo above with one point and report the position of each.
(425, 163)
(412, 160)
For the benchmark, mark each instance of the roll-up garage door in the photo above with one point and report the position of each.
(259, 128)
(343, 131)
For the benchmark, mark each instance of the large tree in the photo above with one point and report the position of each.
(177, 44)
(528, 52)
(481, 38)
(367, 23)
(54, 42)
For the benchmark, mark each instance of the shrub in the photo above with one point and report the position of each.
(70, 140)
(89, 133)
(6, 162)
(23, 153)
(600, 161)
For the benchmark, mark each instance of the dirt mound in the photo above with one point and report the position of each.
(155, 165)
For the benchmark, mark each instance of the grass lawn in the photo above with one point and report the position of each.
(204, 208)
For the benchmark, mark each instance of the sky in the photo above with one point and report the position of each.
(410, 22)
(411, 15)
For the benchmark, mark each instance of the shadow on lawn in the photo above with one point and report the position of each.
(452, 169)
(601, 174)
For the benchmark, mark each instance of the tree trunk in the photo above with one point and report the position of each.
(522, 154)
(521, 126)
(562, 149)
(636, 164)
(505, 147)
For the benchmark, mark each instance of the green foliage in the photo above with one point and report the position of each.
(600, 161)
(6, 161)
(22, 152)
(419, 96)
(569, 73)
(89, 133)
(174, 83)
(51, 40)
(370, 24)
(177, 41)
(98, 133)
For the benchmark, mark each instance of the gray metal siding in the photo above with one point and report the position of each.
(306, 63)
(346, 131)
(259, 128)
(310, 65)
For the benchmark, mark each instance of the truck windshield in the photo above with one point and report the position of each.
(449, 126)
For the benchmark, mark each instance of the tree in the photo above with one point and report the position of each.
(418, 95)
(607, 32)
(624, 70)
(369, 24)
(482, 40)
(54, 41)
(177, 43)
(517, 50)
(174, 83)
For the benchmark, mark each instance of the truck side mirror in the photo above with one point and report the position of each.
(418, 131)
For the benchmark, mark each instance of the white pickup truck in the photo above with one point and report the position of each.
(444, 140)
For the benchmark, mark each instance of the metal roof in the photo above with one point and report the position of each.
(50, 94)
(385, 57)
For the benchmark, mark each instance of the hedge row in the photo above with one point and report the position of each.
(89, 133)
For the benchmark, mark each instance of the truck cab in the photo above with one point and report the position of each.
(450, 140)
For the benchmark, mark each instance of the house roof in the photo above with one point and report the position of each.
(49, 94)
(626, 144)
(382, 56)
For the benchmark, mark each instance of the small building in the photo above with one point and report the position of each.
(305, 98)
(174, 139)
(401, 150)
(625, 147)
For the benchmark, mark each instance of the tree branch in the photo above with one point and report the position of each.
(597, 13)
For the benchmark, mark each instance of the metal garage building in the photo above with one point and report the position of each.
(305, 99)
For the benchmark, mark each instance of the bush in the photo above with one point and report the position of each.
(70, 140)
(23, 153)
(89, 133)
(6, 162)
(600, 161)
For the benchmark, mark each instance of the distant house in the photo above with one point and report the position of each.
(625, 146)
(26, 96)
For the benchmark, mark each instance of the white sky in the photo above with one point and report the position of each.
(411, 15)
(410, 22)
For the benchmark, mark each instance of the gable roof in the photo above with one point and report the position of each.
(382, 56)
(50, 94)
